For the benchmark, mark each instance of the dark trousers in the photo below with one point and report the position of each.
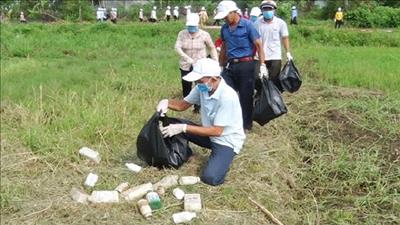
(293, 20)
(186, 85)
(338, 23)
(240, 76)
(274, 69)
(219, 162)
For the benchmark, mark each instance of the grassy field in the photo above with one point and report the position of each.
(333, 159)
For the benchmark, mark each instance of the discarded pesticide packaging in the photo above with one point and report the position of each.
(178, 193)
(137, 192)
(183, 217)
(133, 167)
(144, 208)
(188, 180)
(79, 195)
(91, 180)
(104, 197)
(122, 187)
(167, 182)
(90, 154)
(192, 202)
(154, 200)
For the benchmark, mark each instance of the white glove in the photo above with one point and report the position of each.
(263, 71)
(173, 129)
(162, 107)
(289, 56)
(190, 61)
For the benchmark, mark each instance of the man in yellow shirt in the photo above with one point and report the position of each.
(339, 18)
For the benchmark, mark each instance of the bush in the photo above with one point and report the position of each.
(378, 16)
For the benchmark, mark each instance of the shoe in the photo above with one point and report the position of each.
(246, 131)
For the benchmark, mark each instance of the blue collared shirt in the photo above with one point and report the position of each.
(223, 109)
(240, 41)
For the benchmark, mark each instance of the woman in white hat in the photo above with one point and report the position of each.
(191, 45)
(203, 17)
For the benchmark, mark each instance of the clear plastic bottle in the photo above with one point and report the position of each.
(183, 217)
(178, 193)
(104, 197)
(122, 187)
(91, 154)
(144, 208)
(192, 202)
(133, 167)
(167, 181)
(137, 192)
(188, 180)
(154, 200)
(91, 180)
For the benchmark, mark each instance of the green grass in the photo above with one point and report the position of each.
(333, 159)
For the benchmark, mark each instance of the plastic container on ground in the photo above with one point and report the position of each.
(90, 154)
(178, 193)
(137, 192)
(104, 197)
(122, 187)
(183, 217)
(79, 195)
(188, 180)
(167, 181)
(144, 208)
(192, 202)
(133, 167)
(154, 200)
(91, 180)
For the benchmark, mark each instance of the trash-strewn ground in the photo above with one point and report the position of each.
(333, 159)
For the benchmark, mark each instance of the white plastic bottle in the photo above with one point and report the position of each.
(183, 217)
(178, 193)
(188, 180)
(91, 180)
(104, 197)
(192, 202)
(133, 167)
(91, 154)
(137, 192)
(79, 196)
(167, 181)
(144, 208)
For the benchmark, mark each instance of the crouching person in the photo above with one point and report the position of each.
(221, 118)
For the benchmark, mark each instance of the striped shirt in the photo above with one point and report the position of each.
(194, 47)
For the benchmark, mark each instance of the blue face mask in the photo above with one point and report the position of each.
(268, 14)
(254, 18)
(204, 87)
(192, 29)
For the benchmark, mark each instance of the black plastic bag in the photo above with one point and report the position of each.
(290, 77)
(269, 104)
(162, 152)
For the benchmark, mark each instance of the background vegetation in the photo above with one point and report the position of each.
(333, 159)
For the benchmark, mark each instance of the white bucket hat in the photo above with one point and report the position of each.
(204, 67)
(192, 19)
(255, 11)
(224, 8)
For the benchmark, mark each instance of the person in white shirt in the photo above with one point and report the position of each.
(273, 31)
(141, 16)
(153, 15)
(22, 18)
(176, 13)
(100, 14)
(221, 128)
(168, 13)
(203, 17)
(113, 15)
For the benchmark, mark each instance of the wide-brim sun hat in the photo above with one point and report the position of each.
(268, 4)
(255, 11)
(224, 8)
(192, 19)
(205, 67)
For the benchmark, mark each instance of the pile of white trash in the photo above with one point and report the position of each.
(147, 195)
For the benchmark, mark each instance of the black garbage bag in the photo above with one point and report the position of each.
(269, 104)
(162, 152)
(290, 77)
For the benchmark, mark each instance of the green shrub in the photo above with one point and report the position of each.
(374, 16)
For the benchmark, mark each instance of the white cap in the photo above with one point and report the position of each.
(268, 4)
(141, 9)
(154, 7)
(293, 7)
(255, 11)
(176, 7)
(224, 8)
(339, 9)
(203, 8)
(205, 67)
(192, 19)
(168, 7)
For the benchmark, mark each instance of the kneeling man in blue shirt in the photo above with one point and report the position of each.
(221, 118)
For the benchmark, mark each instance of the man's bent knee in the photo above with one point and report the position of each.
(212, 180)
